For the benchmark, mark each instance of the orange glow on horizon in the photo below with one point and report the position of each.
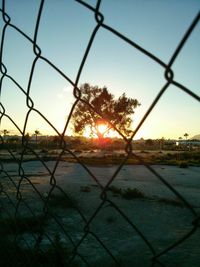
(102, 128)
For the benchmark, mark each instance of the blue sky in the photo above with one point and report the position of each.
(64, 31)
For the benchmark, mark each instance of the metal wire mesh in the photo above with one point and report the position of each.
(57, 231)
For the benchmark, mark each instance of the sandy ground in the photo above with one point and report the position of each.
(118, 222)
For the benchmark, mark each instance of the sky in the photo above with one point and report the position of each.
(64, 31)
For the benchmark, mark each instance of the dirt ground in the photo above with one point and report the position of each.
(125, 226)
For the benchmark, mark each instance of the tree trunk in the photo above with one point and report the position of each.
(101, 140)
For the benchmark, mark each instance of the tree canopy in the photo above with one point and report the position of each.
(107, 111)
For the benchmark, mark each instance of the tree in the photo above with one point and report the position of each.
(36, 133)
(27, 137)
(149, 142)
(186, 135)
(162, 142)
(13, 140)
(5, 132)
(116, 112)
(187, 143)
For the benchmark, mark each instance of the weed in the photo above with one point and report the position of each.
(57, 251)
(183, 164)
(85, 189)
(115, 190)
(172, 202)
(60, 201)
(18, 225)
(131, 193)
(56, 254)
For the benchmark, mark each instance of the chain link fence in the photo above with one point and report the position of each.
(48, 218)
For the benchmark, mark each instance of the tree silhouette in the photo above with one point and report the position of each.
(36, 133)
(5, 132)
(187, 143)
(115, 112)
(162, 142)
(186, 135)
(27, 137)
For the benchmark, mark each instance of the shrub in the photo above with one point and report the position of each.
(172, 202)
(115, 190)
(183, 164)
(60, 201)
(14, 225)
(13, 255)
(85, 189)
(131, 193)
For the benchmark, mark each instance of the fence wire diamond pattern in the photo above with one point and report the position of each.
(58, 231)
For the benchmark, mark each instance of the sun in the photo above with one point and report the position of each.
(102, 128)
(105, 130)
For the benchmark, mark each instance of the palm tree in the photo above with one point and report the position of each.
(36, 133)
(5, 132)
(186, 135)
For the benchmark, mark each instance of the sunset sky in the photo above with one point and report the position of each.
(64, 31)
